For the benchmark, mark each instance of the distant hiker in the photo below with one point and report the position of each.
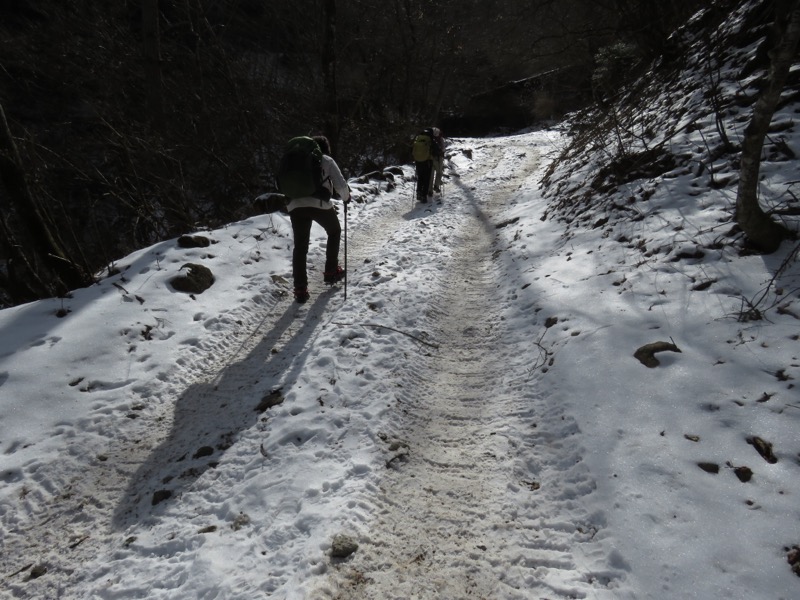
(437, 159)
(426, 152)
(309, 177)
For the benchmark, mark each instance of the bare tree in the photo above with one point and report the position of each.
(760, 229)
(42, 265)
(329, 73)
(152, 59)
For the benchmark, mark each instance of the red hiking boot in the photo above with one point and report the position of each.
(332, 277)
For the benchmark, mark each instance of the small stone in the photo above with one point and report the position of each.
(274, 398)
(204, 451)
(794, 559)
(744, 474)
(38, 571)
(196, 280)
(764, 448)
(241, 521)
(343, 546)
(161, 495)
(193, 241)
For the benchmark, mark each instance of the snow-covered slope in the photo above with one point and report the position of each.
(471, 414)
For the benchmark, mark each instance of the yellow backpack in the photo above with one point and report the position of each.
(421, 150)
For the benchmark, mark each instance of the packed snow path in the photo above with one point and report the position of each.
(464, 511)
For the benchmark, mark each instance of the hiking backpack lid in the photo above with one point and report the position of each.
(300, 170)
(421, 149)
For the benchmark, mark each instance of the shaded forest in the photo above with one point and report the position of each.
(127, 122)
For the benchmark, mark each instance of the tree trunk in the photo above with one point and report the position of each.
(152, 61)
(22, 284)
(45, 265)
(329, 74)
(764, 233)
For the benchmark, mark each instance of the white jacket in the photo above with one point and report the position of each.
(332, 179)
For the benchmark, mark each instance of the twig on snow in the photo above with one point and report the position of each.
(376, 325)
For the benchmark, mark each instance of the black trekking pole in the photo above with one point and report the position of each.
(345, 248)
(414, 194)
(431, 182)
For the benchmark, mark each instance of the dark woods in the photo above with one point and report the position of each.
(124, 123)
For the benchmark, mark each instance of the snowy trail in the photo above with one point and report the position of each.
(458, 498)
(439, 493)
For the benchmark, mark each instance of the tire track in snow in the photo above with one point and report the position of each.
(467, 512)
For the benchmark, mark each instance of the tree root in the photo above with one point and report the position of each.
(646, 354)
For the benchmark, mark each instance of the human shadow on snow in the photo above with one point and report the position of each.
(471, 195)
(421, 210)
(209, 415)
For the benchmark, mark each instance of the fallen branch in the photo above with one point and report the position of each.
(413, 337)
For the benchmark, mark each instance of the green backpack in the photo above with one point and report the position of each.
(421, 150)
(300, 170)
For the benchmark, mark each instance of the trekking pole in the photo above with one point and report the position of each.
(414, 194)
(431, 182)
(345, 248)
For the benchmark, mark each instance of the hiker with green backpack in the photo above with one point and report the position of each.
(428, 154)
(422, 153)
(309, 178)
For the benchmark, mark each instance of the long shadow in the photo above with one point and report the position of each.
(421, 210)
(471, 196)
(208, 416)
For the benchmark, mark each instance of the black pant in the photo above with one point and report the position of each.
(302, 218)
(423, 179)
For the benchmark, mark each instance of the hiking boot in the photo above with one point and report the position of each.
(301, 295)
(331, 277)
(423, 199)
(436, 189)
